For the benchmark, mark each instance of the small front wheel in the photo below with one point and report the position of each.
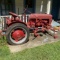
(17, 33)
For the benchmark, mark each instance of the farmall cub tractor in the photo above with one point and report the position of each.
(17, 32)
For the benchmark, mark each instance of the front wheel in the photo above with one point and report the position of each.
(17, 33)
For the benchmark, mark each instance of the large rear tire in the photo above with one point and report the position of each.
(14, 31)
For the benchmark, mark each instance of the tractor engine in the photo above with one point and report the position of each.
(39, 22)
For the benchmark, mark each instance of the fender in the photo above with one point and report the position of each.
(12, 21)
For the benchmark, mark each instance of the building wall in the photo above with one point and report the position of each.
(19, 6)
(39, 4)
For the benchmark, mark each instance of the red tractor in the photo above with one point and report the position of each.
(17, 32)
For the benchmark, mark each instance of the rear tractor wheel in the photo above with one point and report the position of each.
(17, 33)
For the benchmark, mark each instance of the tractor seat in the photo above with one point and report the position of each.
(13, 14)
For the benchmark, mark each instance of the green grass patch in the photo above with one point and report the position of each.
(44, 52)
(3, 41)
(4, 50)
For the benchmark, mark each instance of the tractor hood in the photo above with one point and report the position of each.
(40, 16)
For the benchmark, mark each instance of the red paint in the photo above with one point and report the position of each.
(39, 20)
(14, 19)
(17, 35)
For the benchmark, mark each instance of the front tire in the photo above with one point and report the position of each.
(15, 30)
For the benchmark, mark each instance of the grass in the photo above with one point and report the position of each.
(45, 52)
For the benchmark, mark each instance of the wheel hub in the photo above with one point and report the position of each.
(18, 35)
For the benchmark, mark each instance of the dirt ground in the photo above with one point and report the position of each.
(34, 42)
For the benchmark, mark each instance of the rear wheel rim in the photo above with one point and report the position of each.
(21, 40)
(18, 35)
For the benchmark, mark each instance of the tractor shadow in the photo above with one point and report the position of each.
(41, 34)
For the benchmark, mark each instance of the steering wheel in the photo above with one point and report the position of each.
(26, 10)
(13, 14)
